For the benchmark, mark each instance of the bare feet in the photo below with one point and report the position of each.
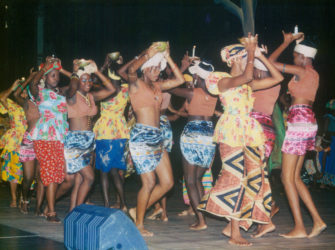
(264, 229)
(227, 230)
(164, 217)
(186, 212)
(239, 241)
(317, 229)
(144, 232)
(274, 209)
(132, 214)
(13, 204)
(295, 234)
(156, 213)
(198, 226)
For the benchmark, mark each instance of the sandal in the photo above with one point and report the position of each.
(24, 206)
(52, 217)
(13, 204)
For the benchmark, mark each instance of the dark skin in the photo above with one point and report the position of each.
(82, 180)
(51, 82)
(292, 164)
(29, 167)
(156, 183)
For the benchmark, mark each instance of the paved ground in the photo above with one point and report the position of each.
(39, 234)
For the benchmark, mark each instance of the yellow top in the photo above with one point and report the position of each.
(235, 127)
(11, 140)
(112, 123)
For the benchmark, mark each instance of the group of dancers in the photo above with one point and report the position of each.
(53, 132)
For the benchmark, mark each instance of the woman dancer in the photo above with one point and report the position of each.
(301, 131)
(263, 107)
(146, 139)
(236, 196)
(49, 132)
(112, 133)
(11, 169)
(27, 153)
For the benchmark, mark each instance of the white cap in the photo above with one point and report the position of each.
(307, 51)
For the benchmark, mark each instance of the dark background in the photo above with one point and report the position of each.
(90, 29)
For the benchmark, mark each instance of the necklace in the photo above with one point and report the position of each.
(87, 99)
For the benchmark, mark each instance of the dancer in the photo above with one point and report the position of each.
(146, 139)
(49, 132)
(112, 133)
(301, 131)
(196, 142)
(241, 141)
(11, 169)
(27, 153)
(262, 111)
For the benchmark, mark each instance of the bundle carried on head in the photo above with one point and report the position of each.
(306, 48)
(201, 68)
(85, 67)
(232, 52)
(55, 65)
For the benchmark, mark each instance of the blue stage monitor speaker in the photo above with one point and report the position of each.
(93, 227)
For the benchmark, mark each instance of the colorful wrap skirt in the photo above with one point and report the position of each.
(78, 148)
(196, 143)
(301, 130)
(268, 129)
(242, 191)
(146, 147)
(166, 129)
(50, 155)
(27, 152)
(11, 169)
(110, 154)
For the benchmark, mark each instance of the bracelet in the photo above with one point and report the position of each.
(19, 85)
(284, 68)
(146, 56)
(136, 57)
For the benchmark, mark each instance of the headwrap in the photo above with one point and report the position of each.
(154, 61)
(113, 76)
(202, 69)
(231, 52)
(87, 69)
(258, 64)
(188, 78)
(331, 104)
(307, 51)
(55, 65)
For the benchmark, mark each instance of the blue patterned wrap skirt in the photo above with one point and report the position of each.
(196, 143)
(166, 129)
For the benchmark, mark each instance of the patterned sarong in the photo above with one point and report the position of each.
(78, 148)
(242, 191)
(146, 147)
(11, 169)
(196, 143)
(50, 155)
(27, 152)
(268, 129)
(301, 130)
(110, 154)
(166, 129)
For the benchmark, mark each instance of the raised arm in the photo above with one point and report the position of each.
(33, 86)
(18, 91)
(275, 78)
(4, 94)
(123, 70)
(178, 76)
(108, 89)
(247, 76)
(284, 68)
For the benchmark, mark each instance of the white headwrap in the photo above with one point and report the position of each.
(198, 69)
(155, 61)
(259, 65)
(307, 51)
(88, 69)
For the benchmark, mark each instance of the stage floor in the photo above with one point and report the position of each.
(18, 231)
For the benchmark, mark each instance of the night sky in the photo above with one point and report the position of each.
(90, 29)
